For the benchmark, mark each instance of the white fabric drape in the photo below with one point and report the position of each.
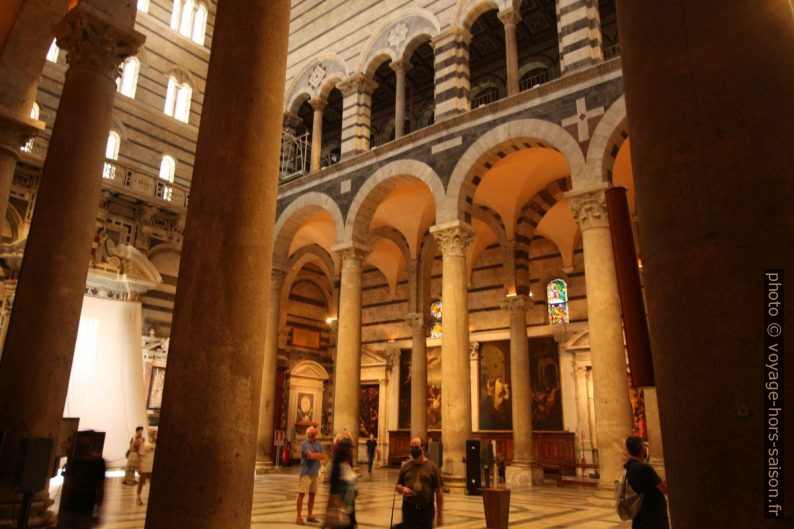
(106, 383)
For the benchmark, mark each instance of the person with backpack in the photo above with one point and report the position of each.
(641, 492)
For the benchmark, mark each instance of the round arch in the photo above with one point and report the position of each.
(313, 77)
(392, 39)
(293, 216)
(513, 135)
(469, 11)
(379, 185)
(608, 136)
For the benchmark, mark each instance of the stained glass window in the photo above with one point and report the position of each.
(557, 299)
(435, 323)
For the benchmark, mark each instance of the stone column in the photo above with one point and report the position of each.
(612, 407)
(520, 471)
(452, 86)
(654, 426)
(418, 374)
(39, 347)
(510, 18)
(15, 132)
(400, 68)
(347, 369)
(453, 238)
(356, 114)
(474, 385)
(264, 445)
(209, 422)
(579, 34)
(585, 441)
(318, 104)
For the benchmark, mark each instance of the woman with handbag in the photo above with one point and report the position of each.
(341, 511)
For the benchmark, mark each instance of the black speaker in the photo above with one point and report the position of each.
(473, 476)
(33, 464)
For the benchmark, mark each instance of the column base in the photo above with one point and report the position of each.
(454, 484)
(524, 474)
(266, 467)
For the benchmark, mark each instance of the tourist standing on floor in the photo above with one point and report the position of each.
(145, 466)
(311, 455)
(372, 450)
(133, 457)
(419, 482)
(644, 480)
(341, 511)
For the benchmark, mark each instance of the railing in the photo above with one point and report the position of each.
(295, 155)
(536, 80)
(485, 97)
(144, 184)
(612, 51)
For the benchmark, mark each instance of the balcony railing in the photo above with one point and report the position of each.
(536, 80)
(611, 51)
(295, 155)
(144, 184)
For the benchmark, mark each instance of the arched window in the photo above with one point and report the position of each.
(52, 53)
(143, 6)
(435, 322)
(111, 153)
(199, 25)
(128, 81)
(167, 168)
(186, 18)
(177, 99)
(557, 300)
(34, 114)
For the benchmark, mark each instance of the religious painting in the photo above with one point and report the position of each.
(305, 409)
(495, 399)
(404, 415)
(637, 398)
(434, 388)
(544, 364)
(156, 383)
(368, 410)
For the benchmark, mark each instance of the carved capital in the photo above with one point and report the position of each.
(589, 207)
(474, 351)
(509, 17)
(357, 84)
(518, 303)
(417, 321)
(400, 66)
(15, 132)
(453, 238)
(318, 103)
(351, 252)
(94, 43)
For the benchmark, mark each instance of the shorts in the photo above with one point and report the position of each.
(307, 484)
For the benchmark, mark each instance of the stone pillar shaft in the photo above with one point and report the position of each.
(521, 390)
(39, 347)
(510, 18)
(612, 406)
(418, 375)
(318, 105)
(264, 446)
(453, 239)
(356, 114)
(347, 369)
(400, 68)
(210, 413)
(452, 84)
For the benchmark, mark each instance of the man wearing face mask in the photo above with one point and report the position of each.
(419, 481)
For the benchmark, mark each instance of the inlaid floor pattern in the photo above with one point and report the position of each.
(546, 507)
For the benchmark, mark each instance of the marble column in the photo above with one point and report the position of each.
(356, 114)
(585, 441)
(400, 68)
(612, 407)
(653, 426)
(264, 445)
(347, 369)
(15, 131)
(206, 452)
(418, 374)
(454, 238)
(521, 471)
(509, 19)
(39, 346)
(318, 104)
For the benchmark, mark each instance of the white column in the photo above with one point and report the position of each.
(418, 375)
(318, 104)
(510, 18)
(400, 68)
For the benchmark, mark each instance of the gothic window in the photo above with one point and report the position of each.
(52, 53)
(128, 81)
(34, 114)
(557, 300)
(435, 322)
(177, 99)
(167, 168)
(190, 19)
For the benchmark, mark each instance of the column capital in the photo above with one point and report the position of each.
(589, 206)
(509, 17)
(453, 237)
(95, 43)
(417, 321)
(318, 103)
(351, 251)
(517, 303)
(454, 33)
(474, 351)
(357, 84)
(400, 65)
(15, 132)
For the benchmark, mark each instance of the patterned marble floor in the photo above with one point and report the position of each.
(545, 507)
